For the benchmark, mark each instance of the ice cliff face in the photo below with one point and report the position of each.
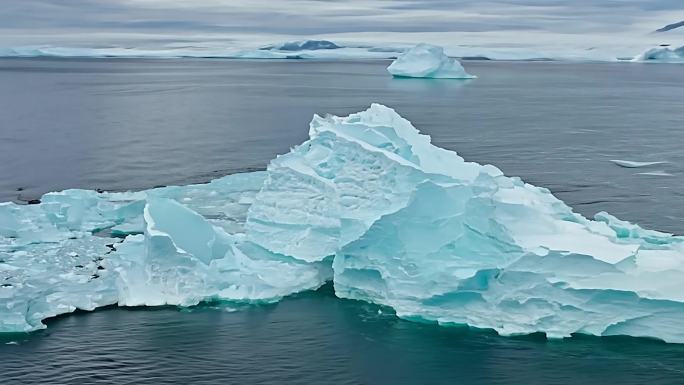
(369, 203)
(427, 61)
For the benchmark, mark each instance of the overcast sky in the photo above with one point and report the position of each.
(120, 22)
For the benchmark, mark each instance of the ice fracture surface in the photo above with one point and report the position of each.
(369, 203)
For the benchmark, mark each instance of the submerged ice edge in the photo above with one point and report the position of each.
(369, 203)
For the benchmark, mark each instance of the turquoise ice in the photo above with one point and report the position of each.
(427, 61)
(664, 54)
(369, 203)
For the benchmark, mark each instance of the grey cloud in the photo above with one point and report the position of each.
(57, 18)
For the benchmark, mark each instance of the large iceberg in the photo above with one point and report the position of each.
(369, 203)
(427, 61)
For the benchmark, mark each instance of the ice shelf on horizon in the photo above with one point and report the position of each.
(664, 54)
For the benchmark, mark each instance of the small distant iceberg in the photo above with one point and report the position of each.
(664, 54)
(427, 61)
(634, 164)
(655, 173)
(303, 45)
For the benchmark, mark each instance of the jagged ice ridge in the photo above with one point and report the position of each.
(369, 203)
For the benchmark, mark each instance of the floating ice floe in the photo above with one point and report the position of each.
(655, 173)
(635, 164)
(369, 203)
(427, 61)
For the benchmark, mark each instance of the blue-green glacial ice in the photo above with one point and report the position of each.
(662, 54)
(427, 61)
(369, 203)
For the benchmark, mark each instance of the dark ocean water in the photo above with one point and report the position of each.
(316, 338)
(132, 124)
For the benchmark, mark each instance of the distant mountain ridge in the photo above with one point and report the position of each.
(670, 27)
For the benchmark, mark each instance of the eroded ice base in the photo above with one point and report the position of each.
(369, 203)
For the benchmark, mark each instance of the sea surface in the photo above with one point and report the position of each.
(125, 124)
